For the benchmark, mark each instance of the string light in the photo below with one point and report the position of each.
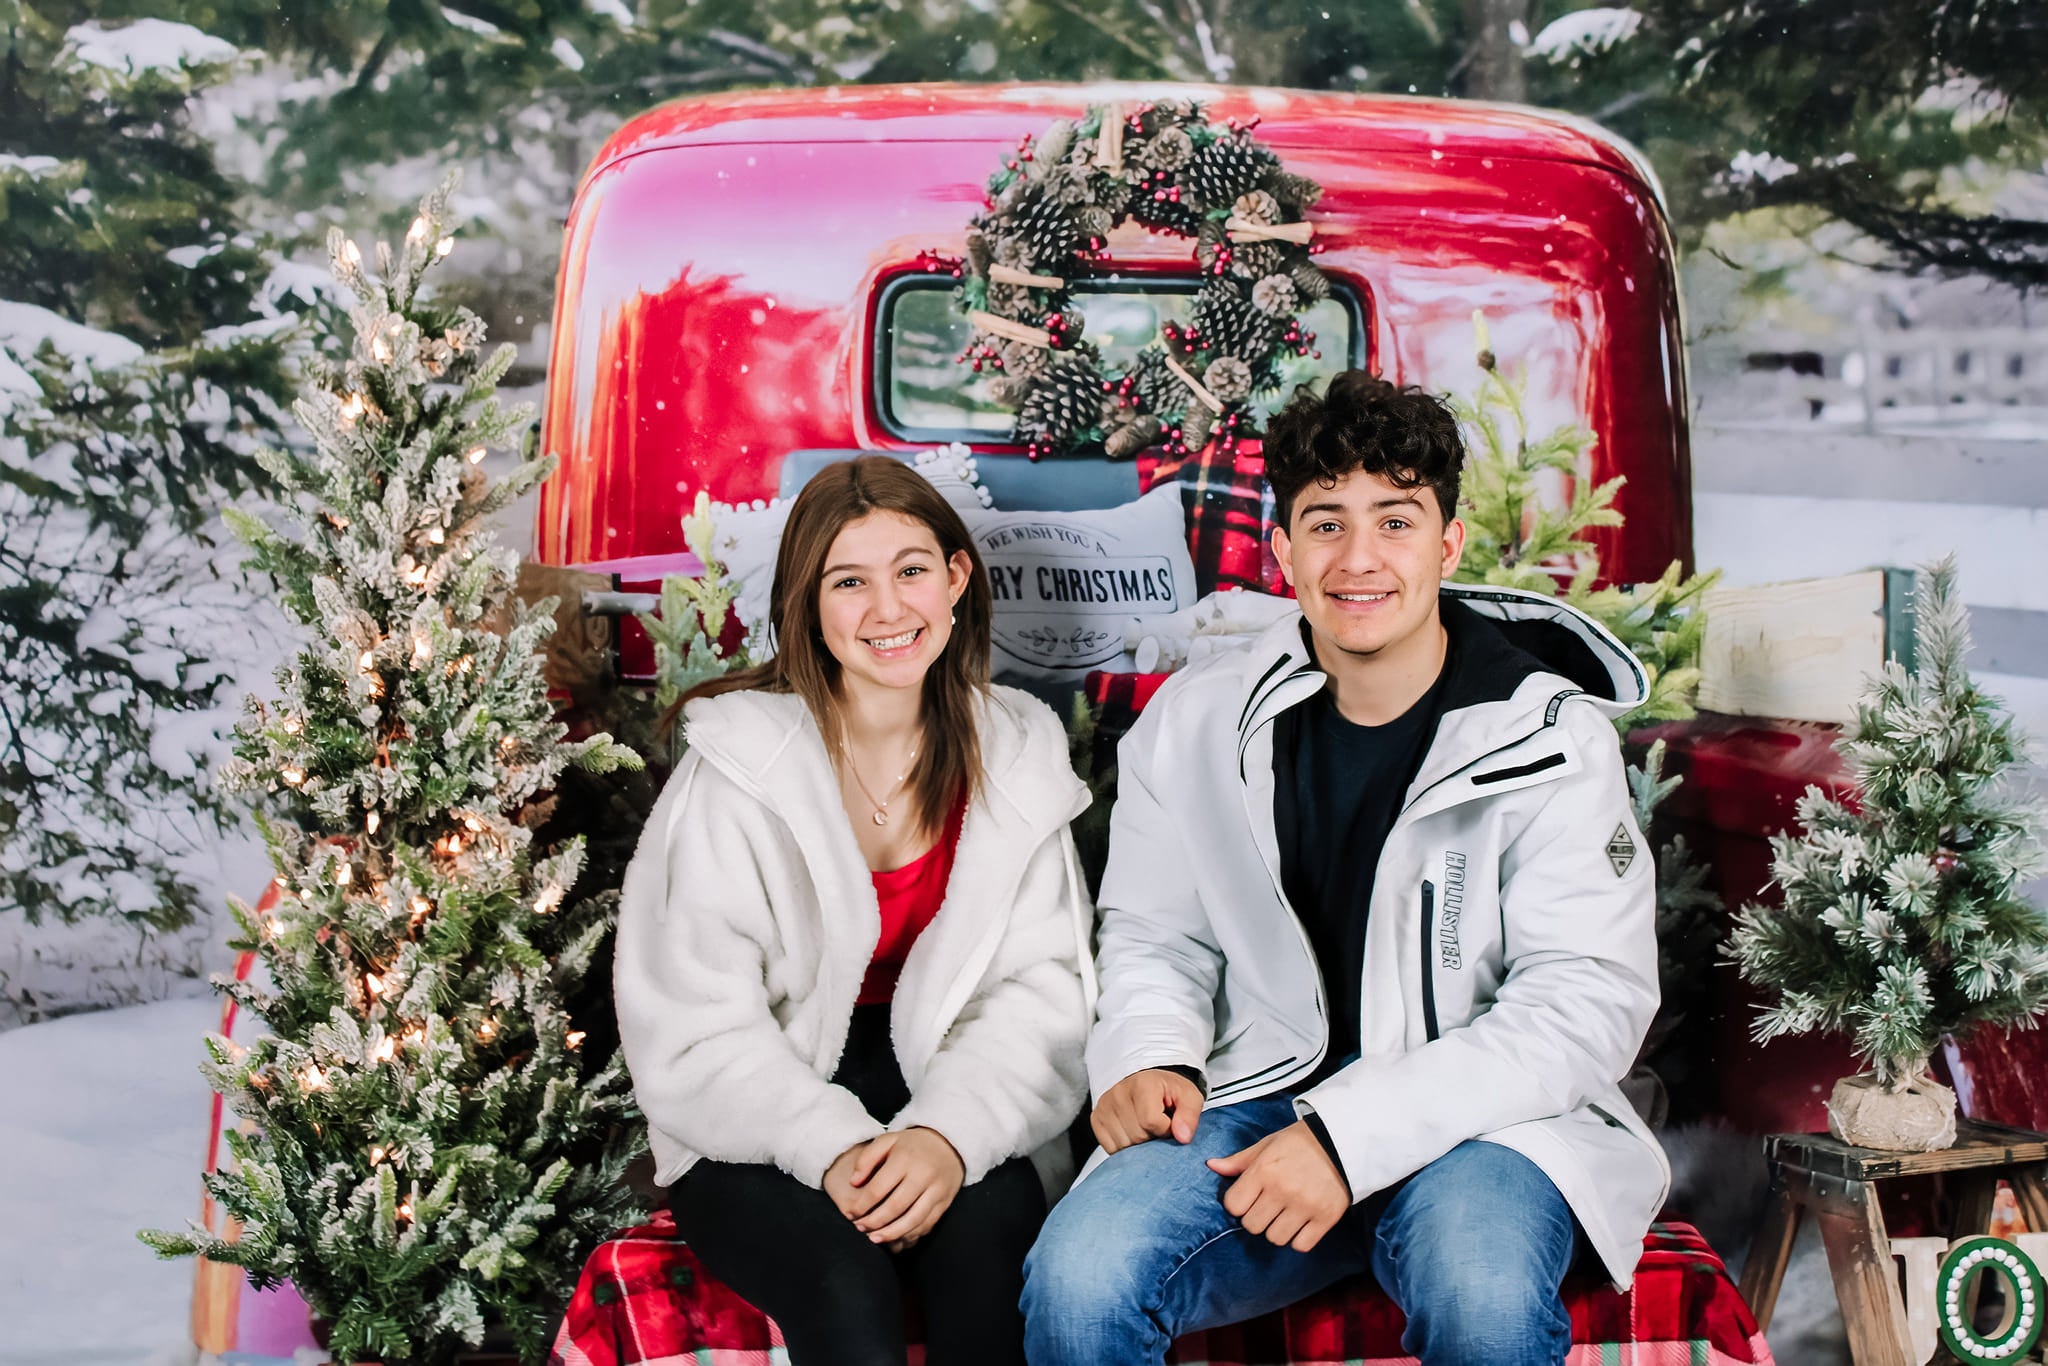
(372, 821)
(385, 1051)
(292, 776)
(367, 659)
(373, 984)
(487, 1030)
(376, 1153)
(475, 455)
(473, 823)
(381, 349)
(351, 409)
(444, 246)
(417, 576)
(343, 874)
(418, 231)
(292, 725)
(422, 650)
(574, 1041)
(420, 906)
(549, 899)
(405, 1212)
(436, 535)
(312, 1079)
(351, 253)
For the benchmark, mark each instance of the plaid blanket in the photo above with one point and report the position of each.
(644, 1300)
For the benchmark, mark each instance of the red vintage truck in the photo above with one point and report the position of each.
(748, 288)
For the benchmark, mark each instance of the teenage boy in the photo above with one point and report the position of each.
(1376, 944)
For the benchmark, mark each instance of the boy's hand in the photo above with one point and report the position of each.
(1145, 1105)
(1287, 1188)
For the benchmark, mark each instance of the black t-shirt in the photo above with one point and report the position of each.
(1337, 789)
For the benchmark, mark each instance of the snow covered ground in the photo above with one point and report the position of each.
(103, 1132)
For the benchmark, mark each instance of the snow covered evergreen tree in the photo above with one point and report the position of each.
(141, 361)
(1903, 919)
(437, 1142)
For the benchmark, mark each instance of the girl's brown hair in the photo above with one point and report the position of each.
(949, 760)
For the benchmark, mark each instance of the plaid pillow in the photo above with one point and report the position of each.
(1229, 513)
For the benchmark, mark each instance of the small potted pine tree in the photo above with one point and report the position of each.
(1902, 919)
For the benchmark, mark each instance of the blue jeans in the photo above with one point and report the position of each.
(1473, 1248)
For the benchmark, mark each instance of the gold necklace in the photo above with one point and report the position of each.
(881, 815)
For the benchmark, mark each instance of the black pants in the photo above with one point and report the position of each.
(788, 1251)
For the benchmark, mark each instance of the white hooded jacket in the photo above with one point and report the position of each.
(748, 919)
(1510, 968)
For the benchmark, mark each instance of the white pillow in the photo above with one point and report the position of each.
(1068, 584)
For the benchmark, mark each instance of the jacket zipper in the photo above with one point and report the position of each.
(1307, 949)
(1429, 961)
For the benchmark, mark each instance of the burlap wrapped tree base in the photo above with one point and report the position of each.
(1919, 1117)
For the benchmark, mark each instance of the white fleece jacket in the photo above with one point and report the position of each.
(748, 919)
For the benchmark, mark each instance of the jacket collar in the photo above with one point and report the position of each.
(1508, 673)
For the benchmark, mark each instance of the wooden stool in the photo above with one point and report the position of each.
(1837, 1181)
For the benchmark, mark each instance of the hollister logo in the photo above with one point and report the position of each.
(1450, 955)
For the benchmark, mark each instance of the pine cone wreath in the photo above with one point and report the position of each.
(1168, 215)
(1047, 231)
(1169, 150)
(1256, 260)
(1131, 437)
(1224, 323)
(1309, 282)
(1229, 378)
(1054, 143)
(1008, 300)
(1066, 400)
(1226, 168)
(1157, 387)
(1094, 220)
(1067, 185)
(1021, 359)
(1274, 296)
(1295, 190)
(1257, 206)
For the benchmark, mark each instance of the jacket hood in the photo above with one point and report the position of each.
(1506, 634)
(769, 743)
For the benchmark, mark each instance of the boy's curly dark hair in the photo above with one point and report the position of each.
(1362, 422)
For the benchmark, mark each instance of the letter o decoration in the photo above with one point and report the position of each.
(2021, 1328)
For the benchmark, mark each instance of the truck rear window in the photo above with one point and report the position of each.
(926, 396)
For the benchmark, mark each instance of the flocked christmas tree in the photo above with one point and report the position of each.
(434, 1148)
(1903, 919)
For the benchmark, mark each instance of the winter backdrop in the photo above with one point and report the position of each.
(1857, 185)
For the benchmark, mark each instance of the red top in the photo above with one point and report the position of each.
(909, 897)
